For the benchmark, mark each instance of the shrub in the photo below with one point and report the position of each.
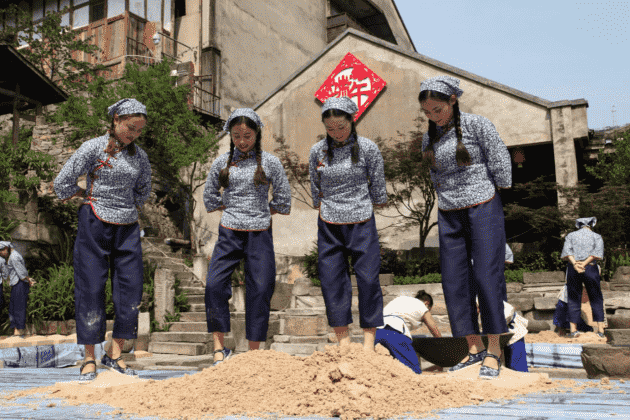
(428, 278)
(514, 276)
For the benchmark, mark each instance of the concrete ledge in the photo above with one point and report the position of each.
(294, 349)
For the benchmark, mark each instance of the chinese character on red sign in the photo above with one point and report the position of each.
(353, 79)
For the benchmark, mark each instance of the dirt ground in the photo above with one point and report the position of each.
(346, 382)
(554, 338)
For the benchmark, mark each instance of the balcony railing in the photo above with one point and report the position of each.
(206, 102)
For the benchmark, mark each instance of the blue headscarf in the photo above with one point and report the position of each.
(127, 106)
(342, 103)
(444, 84)
(243, 112)
(585, 221)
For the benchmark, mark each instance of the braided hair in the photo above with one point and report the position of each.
(260, 178)
(353, 131)
(461, 154)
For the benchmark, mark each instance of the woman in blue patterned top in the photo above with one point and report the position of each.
(12, 268)
(108, 237)
(244, 173)
(582, 249)
(469, 162)
(347, 182)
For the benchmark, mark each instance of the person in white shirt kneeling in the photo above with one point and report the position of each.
(401, 315)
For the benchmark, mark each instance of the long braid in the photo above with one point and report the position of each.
(355, 147)
(224, 175)
(329, 150)
(429, 154)
(260, 178)
(461, 153)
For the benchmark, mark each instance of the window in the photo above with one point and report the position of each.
(137, 7)
(81, 17)
(51, 6)
(38, 9)
(97, 11)
(154, 10)
(180, 8)
(115, 8)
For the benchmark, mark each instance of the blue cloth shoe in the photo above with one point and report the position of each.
(574, 334)
(490, 373)
(112, 364)
(87, 377)
(227, 353)
(601, 335)
(472, 359)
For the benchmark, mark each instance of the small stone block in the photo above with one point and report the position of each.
(618, 337)
(522, 304)
(304, 325)
(281, 298)
(622, 275)
(301, 287)
(514, 287)
(545, 303)
(618, 321)
(535, 326)
(294, 349)
(544, 277)
(602, 360)
(281, 338)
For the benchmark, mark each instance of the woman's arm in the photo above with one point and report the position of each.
(281, 201)
(497, 155)
(313, 164)
(211, 196)
(431, 325)
(376, 174)
(79, 163)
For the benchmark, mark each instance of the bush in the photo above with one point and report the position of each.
(617, 258)
(514, 276)
(426, 279)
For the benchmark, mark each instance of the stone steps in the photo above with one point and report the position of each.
(194, 291)
(189, 326)
(181, 337)
(196, 300)
(192, 317)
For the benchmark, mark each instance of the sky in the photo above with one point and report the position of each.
(553, 49)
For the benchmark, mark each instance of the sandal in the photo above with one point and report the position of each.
(490, 373)
(112, 364)
(601, 335)
(227, 353)
(574, 334)
(472, 359)
(87, 377)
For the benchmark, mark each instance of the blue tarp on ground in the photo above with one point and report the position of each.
(49, 356)
(546, 355)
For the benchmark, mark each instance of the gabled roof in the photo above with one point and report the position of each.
(33, 83)
(430, 61)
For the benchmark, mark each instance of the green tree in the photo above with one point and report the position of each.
(22, 169)
(177, 144)
(411, 190)
(54, 49)
(614, 168)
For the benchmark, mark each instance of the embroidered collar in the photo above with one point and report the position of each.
(239, 156)
(349, 140)
(114, 145)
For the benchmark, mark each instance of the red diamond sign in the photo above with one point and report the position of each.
(353, 79)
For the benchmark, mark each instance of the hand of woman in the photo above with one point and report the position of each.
(579, 267)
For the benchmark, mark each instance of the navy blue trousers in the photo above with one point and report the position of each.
(260, 280)
(102, 247)
(17, 304)
(561, 318)
(516, 356)
(476, 233)
(591, 280)
(359, 241)
(399, 346)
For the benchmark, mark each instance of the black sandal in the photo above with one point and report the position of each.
(113, 364)
(87, 377)
(490, 373)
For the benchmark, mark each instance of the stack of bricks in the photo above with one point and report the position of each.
(304, 326)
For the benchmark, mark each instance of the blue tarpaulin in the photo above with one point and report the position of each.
(48, 356)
